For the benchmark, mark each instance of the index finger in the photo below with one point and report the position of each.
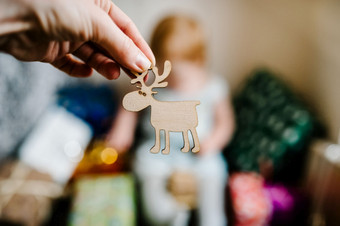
(126, 25)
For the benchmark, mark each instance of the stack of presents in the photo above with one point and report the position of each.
(267, 154)
(63, 174)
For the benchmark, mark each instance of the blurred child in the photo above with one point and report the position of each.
(181, 40)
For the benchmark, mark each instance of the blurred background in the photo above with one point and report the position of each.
(281, 60)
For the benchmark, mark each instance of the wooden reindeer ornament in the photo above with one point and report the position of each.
(170, 116)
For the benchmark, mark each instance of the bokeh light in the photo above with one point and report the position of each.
(109, 156)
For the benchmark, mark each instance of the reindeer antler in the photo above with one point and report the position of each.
(139, 78)
(159, 78)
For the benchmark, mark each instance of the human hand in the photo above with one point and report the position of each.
(183, 187)
(56, 31)
(208, 146)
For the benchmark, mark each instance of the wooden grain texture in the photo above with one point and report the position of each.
(170, 116)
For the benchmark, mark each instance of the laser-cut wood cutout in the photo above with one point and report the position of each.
(170, 116)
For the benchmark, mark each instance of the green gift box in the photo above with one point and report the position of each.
(104, 200)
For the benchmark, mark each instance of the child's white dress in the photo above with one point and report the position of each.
(153, 170)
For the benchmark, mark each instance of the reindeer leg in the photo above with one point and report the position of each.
(155, 149)
(196, 141)
(166, 150)
(186, 141)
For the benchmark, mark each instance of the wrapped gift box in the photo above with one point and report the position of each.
(252, 206)
(25, 194)
(104, 200)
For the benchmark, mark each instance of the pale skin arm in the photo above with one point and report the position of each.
(223, 129)
(56, 31)
(121, 135)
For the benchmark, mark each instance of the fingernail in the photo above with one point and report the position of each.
(142, 62)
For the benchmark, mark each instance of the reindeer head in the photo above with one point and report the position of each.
(142, 98)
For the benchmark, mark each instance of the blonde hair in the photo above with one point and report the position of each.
(180, 37)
